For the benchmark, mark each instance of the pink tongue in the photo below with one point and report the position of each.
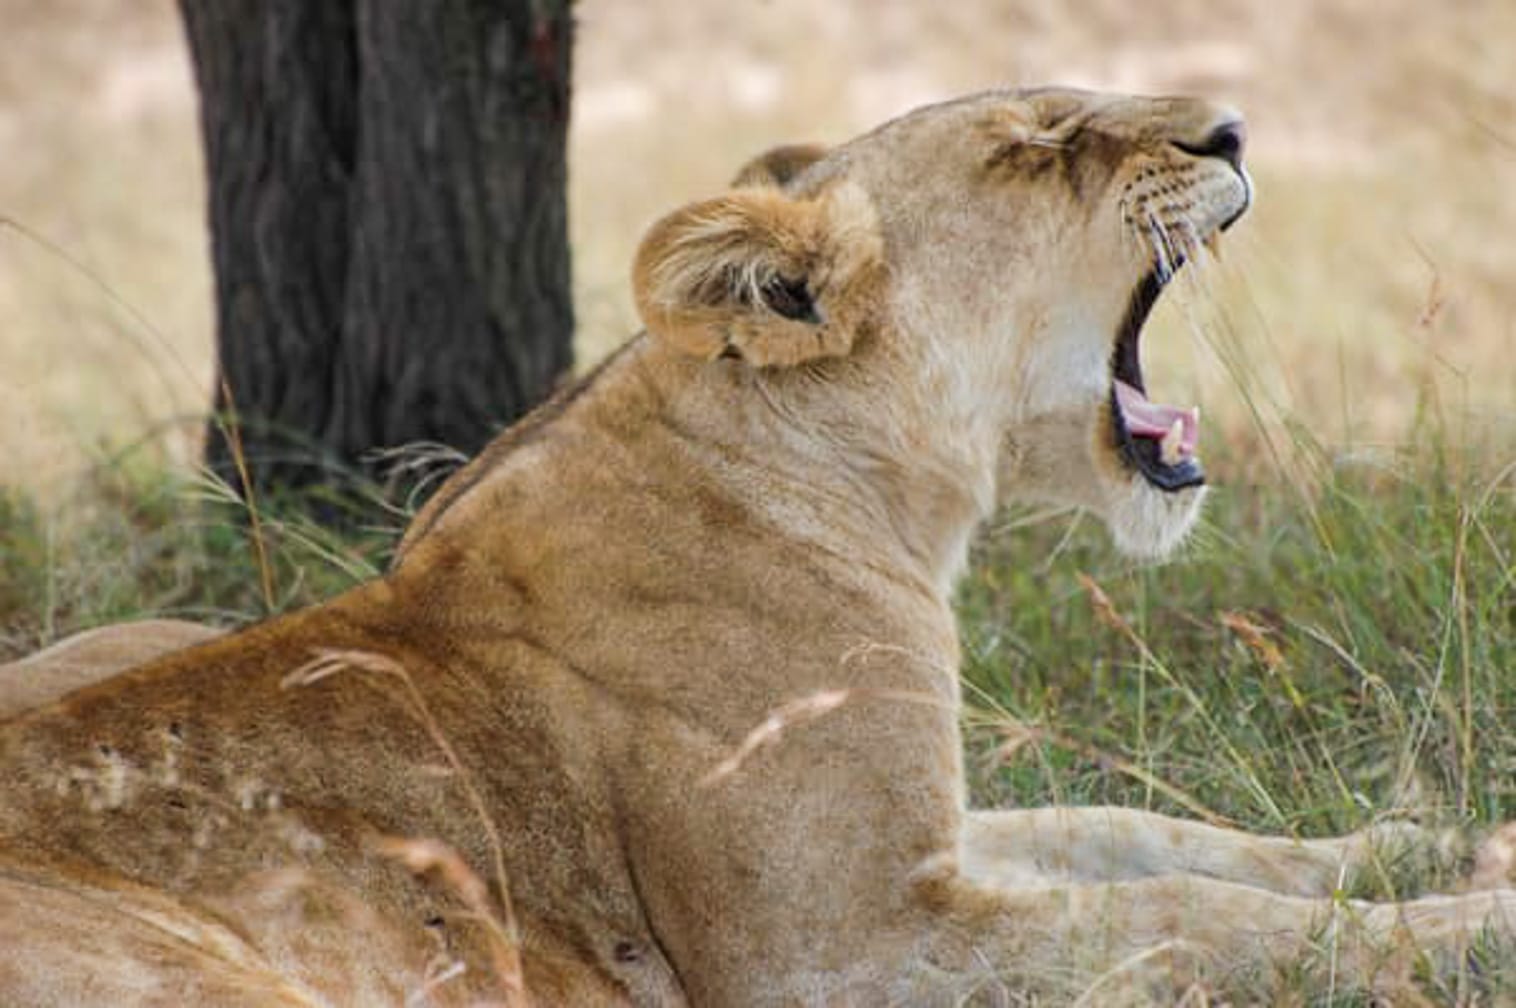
(1153, 420)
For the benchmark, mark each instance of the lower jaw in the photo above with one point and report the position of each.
(1142, 456)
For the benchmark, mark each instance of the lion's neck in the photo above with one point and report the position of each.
(786, 457)
(822, 462)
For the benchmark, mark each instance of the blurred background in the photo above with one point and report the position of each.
(1372, 291)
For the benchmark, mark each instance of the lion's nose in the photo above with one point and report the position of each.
(1224, 141)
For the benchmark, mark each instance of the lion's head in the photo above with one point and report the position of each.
(989, 261)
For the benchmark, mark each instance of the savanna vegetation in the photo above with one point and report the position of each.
(1337, 645)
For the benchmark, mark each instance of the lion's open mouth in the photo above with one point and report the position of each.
(1158, 441)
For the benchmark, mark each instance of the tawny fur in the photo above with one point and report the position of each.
(90, 656)
(741, 513)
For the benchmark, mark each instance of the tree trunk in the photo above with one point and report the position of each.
(388, 222)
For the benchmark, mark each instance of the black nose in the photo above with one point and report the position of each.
(1225, 141)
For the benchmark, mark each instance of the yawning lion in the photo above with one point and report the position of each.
(671, 667)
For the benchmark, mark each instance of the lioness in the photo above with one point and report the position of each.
(742, 529)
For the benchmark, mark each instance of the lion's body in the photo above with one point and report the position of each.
(562, 716)
(90, 656)
(756, 507)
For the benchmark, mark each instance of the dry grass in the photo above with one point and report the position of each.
(1384, 153)
(107, 310)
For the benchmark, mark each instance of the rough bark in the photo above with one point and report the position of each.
(388, 222)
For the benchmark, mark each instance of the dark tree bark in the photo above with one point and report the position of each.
(388, 222)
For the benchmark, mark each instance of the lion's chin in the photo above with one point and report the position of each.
(1149, 524)
(1065, 457)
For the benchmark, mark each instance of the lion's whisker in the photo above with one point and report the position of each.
(1161, 247)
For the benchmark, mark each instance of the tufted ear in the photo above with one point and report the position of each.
(776, 166)
(760, 276)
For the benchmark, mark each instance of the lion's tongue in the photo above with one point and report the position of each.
(1153, 420)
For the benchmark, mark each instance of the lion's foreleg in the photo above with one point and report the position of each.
(1031, 848)
(1067, 940)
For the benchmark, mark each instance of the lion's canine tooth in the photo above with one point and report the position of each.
(1170, 451)
(1212, 243)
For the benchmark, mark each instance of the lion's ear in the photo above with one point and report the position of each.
(759, 276)
(775, 167)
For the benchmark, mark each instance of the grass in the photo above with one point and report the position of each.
(1308, 664)
(144, 541)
